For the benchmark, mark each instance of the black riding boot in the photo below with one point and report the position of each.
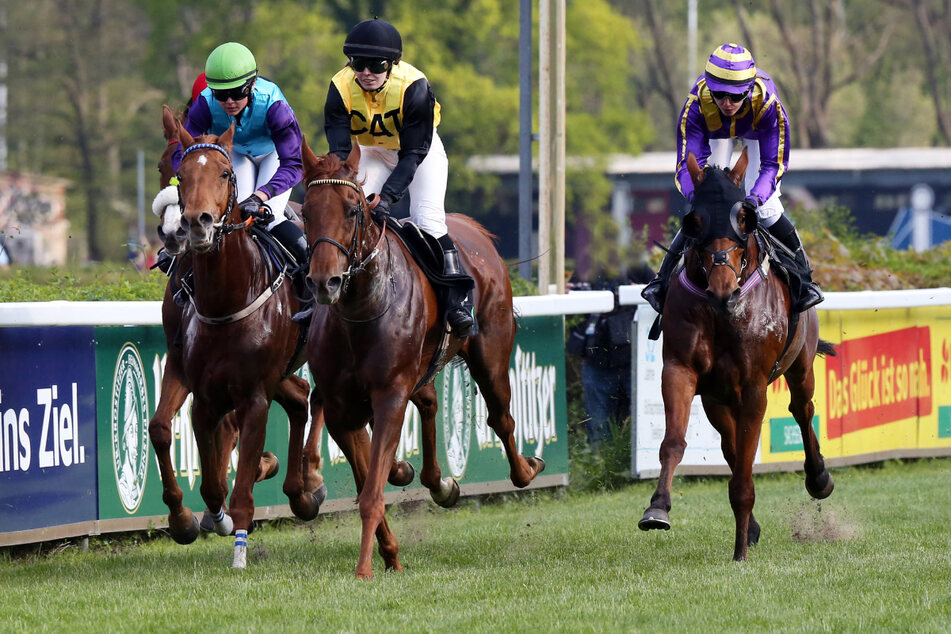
(656, 289)
(808, 294)
(292, 238)
(459, 297)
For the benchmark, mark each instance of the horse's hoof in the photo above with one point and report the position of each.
(407, 479)
(188, 535)
(821, 487)
(654, 519)
(541, 464)
(307, 507)
(752, 533)
(450, 497)
(269, 466)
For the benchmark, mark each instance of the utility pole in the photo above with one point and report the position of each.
(525, 206)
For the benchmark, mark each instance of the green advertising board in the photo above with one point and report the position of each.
(129, 364)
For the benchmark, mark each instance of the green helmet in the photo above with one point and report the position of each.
(229, 66)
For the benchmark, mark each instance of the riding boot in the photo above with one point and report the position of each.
(459, 314)
(656, 289)
(292, 238)
(806, 293)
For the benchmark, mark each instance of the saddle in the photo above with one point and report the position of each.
(427, 253)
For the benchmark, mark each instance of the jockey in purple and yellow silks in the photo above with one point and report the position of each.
(733, 99)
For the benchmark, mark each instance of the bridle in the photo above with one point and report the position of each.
(720, 259)
(354, 265)
(222, 227)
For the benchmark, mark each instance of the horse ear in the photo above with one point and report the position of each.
(739, 170)
(310, 159)
(227, 137)
(353, 159)
(169, 123)
(693, 167)
(186, 139)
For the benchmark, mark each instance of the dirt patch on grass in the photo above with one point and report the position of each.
(811, 522)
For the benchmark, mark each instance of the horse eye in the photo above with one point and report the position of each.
(354, 210)
(226, 174)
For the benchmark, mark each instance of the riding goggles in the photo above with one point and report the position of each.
(375, 65)
(235, 94)
(734, 97)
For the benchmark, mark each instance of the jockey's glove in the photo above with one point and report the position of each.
(381, 210)
(254, 207)
(751, 204)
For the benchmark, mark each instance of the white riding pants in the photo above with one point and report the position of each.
(427, 192)
(721, 151)
(253, 173)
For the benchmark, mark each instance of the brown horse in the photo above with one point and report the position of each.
(183, 525)
(378, 320)
(238, 350)
(728, 333)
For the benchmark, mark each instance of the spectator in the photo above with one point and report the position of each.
(604, 343)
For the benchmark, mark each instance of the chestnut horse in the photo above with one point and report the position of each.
(239, 345)
(183, 526)
(728, 333)
(379, 322)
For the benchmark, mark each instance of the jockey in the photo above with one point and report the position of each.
(266, 155)
(732, 99)
(390, 107)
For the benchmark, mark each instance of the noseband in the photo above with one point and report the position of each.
(720, 259)
(353, 265)
(221, 228)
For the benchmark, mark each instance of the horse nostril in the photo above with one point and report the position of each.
(161, 233)
(206, 219)
(333, 284)
(310, 284)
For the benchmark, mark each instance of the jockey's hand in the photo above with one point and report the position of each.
(254, 206)
(750, 204)
(379, 208)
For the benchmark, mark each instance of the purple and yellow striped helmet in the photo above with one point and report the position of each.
(730, 69)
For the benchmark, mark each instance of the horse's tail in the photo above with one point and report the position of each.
(825, 348)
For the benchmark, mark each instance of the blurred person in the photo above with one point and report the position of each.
(733, 99)
(603, 341)
(390, 107)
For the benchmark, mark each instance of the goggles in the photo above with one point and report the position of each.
(235, 94)
(375, 65)
(730, 96)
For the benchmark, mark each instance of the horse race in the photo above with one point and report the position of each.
(620, 315)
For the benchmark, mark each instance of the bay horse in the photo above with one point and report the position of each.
(239, 349)
(375, 330)
(729, 332)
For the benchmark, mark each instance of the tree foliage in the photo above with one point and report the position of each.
(87, 80)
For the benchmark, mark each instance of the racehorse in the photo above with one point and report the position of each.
(239, 347)
(728, 333)
(377, 327)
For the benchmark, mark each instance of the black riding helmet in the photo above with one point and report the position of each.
(374, 38)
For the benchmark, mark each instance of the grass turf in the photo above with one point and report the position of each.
(873, 557)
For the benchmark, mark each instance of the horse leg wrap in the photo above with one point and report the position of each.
(240, 549)
(223, 523)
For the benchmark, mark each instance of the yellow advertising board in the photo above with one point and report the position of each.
(886, 392)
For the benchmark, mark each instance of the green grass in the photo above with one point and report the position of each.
(873, 557)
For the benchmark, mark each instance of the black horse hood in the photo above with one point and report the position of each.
(713, 202)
